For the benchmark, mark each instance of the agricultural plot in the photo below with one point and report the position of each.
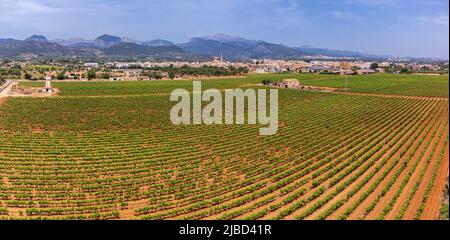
(436, 86)
(109, 151)
(408, 85)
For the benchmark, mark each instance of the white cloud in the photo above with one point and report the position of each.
(380, 3)
(345, 15)
(18, 11)
(289, 6)
(438, 20)
(24, 7)
(398, 3)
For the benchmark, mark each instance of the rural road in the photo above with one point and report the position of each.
(5, 88)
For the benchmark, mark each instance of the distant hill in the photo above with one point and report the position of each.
(230, 47)
(220, 37)
(131, 40)
(8, 40)
(237, 48)
(38, 38)
(104, 45)
(106, 41)
(74, 42)
(270, 50)
(133, 49)
(335, 53)
(158, 42)
(36, 47)
(229, 50)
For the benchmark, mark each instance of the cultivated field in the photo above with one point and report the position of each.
(109, 151)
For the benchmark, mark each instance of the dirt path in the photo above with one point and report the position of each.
(344, 91)
(390, 95)
(6, 88)
(128, 211)
(6, 182)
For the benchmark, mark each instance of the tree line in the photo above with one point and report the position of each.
(173, 72)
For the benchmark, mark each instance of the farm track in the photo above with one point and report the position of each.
(390, 95)
(6, 87)
(396, 96)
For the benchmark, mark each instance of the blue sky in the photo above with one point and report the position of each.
(399, 27)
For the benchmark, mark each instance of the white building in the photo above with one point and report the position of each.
(48, 85)
(91, 64)
(289, 83)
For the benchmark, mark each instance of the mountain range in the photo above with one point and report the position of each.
(230, 47)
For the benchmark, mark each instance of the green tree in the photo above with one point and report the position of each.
(28, 76)
(171, 75)
(91, 74)
(60, 76)
(374, 66)
(266, 82)
(105, 75)
(405, 71)
(154, 75)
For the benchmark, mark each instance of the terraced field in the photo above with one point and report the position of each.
(109, 151)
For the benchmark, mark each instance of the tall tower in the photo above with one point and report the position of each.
(48, 85)
(221, 57)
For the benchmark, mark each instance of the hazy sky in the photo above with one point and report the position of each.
(399, 27)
